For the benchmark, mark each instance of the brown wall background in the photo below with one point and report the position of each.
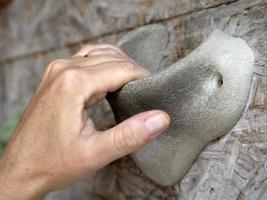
(33, 33)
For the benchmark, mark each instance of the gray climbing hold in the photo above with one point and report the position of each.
(205, 94)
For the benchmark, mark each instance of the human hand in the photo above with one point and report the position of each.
(55, 143)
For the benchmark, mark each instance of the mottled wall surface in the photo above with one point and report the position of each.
(33, 33)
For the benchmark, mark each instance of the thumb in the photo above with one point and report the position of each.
(129, 136)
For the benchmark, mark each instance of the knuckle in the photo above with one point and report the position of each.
(69, 75)
(95, 92)
(67, 78)
(55, 65)
(126, 140)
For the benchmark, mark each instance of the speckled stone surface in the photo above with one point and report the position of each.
(205, 94)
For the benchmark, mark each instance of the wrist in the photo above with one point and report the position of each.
(19, 184)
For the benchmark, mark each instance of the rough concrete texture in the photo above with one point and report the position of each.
(205, 94)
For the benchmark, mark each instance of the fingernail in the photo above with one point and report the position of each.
(155, 124)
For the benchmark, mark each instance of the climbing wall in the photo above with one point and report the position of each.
(33, 33)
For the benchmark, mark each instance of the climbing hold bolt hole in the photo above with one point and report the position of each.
(218, 81)
(212, 190)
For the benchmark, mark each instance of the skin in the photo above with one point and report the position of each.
(55, 143)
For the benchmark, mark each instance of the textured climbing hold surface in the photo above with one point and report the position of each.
(205, 94)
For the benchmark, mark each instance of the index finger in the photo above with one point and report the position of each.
(109, 77)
